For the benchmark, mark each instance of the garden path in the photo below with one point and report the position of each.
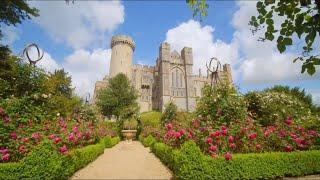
(126, 160)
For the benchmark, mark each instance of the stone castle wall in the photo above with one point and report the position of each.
(171, 79)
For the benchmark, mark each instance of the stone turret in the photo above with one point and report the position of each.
(121, 56)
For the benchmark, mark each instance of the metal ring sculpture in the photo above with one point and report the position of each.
(214, 70)
(26, 53)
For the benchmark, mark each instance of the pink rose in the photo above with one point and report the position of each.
(57, 140)
(169, 126)
(71, 137)
(227, 156)
(4, 150)
(288, 148)
(213, 148)
(232, 146)
(5, 157)
(52, 136)
(258, 147)
(35, 135)
(63, 149)
(289, 120)
(231, 139)
(13, 135)
(253, 136)
(209, 140)
(22, 149)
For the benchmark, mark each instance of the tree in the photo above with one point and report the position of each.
(301, 18)
(12, 12)
(59, 83)
(118, 98)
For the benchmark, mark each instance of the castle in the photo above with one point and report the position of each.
(171, 79)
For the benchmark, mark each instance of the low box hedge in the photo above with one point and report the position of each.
(189, 162)
(45, 162)
(147, 141)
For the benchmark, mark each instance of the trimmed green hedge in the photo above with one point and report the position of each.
(148, 141)
(189, 162)
(45, 162)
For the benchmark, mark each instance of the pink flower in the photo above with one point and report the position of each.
(169, 126)
(227, 156)
(22, 149)
(209, 140)
(52, 136)
(5, 157)
(232, 146)
(224, 132)
(266, 133)
(215, 134)
(75, 129)
(63, 149)
(213, 148)
(57, 140)
(196, 123)
(282, 133)
(190, 135)
(243, 129)
(289, 120)
(79, 135)
(313, 133)
(35, 135)
(177, 135)
(253, 136)
(288, 148)
(71, 137)
(181, 132)
(26, 139)
(231, 139)
(258, 147)
(6, 119)
(4, 150)
(87, 134)
(13, 135)
(223, 127)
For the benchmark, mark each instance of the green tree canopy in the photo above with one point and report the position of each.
(12, 12)
(118, 98)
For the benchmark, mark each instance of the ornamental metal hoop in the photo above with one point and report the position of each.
(214, 70)
(26, 50)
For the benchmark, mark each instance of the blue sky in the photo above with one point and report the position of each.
(77, 36)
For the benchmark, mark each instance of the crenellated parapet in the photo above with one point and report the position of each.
(123, 39)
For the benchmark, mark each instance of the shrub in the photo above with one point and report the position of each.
(169, 113)
(150, 124)
(45, 162)
(148, 141)
(221, 103)
(110, 142)
(189, 163)
(269, 107)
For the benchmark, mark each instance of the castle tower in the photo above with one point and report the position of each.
(121, 56)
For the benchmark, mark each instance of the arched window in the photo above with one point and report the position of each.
(177, 78)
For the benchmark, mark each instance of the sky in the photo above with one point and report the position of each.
(76, 37)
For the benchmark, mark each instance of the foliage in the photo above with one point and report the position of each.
(130, 124)
(44, 162)
(189, 162)
(300, 94)
(221, 103)
(110, 141)
(148, 141)
(270, 106)
(169, 113)
(18, 138)
(150, 124)
(12, 12)
(118, 98)
(198, 7)
(301, 18)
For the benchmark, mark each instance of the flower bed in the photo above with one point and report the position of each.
(45, 162)
(188, 162)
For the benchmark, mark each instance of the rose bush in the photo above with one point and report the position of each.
(18, 138)
(242, 137)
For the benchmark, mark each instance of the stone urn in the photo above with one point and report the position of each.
(129, 134)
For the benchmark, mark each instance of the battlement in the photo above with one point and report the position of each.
(122, 39)
(145, 67)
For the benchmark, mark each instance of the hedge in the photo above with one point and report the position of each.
(189, 162)
(148, 141)
(45, 162)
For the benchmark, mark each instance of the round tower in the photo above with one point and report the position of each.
(121, 56)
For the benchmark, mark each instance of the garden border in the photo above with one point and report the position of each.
(189, 162)
(45, 162)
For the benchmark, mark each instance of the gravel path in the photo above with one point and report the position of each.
(126, 160)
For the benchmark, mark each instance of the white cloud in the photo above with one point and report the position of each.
(200, 38)
(10, 34)
(86, 68)
(81, 24)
